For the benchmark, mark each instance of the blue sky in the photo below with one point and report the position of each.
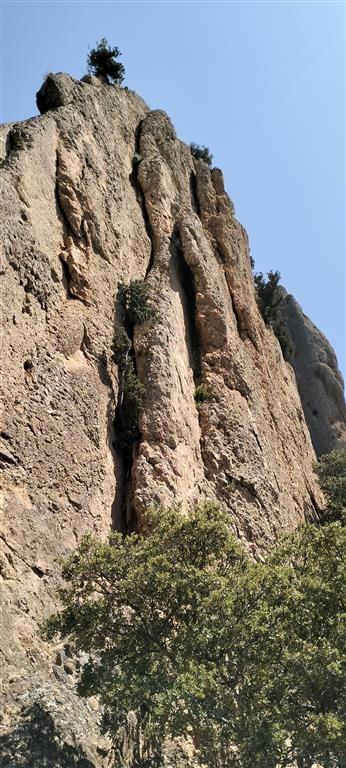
(262, 84)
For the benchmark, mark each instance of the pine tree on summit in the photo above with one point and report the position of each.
(101, 62)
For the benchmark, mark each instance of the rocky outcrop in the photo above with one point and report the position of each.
(320, 383)
(79, 218)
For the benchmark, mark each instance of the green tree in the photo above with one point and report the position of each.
(121, 348)
(331, 470)
(102, 62)
(136, 302)
(130, 404)
(269, 298)
(267, 294)
(201, 153)
(184, 629)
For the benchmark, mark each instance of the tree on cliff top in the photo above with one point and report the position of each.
(268, 299)
(201, 153)
(102, 62)
(184, 629)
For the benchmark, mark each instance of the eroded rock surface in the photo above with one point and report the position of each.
(320, 383)
(79, 217)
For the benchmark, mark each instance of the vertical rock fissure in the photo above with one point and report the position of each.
(222, 261)
(187, 284)
(126, 432)
(140, 196)
(66, 279)
(194, 194)
(119, 494)
(67, 232)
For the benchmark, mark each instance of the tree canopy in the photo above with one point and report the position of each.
(201, 153)
(331, 470)
(268, 299)
(185, 630)
(102, 62)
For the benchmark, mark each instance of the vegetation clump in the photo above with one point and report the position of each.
(137, 158)
(331, 471)
(201, 395)
(268, 299)
(131, 402)
(135, 307)
(136, 302)
(201, 153)
(121, 348)
(184, 629)
(102, 63)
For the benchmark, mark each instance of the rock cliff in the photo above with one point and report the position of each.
(320, 383)
(80, 217)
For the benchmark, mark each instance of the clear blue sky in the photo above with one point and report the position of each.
(261, 83)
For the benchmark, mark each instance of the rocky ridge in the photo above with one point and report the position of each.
(79, 218)
(319, 381)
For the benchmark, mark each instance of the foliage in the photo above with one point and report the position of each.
(284, 338)
(331, 470)
(183, 628)
(102, 62)
(268, 299)
(201, 395)
(136, 302)
(137, 158)
(121, 348)
(201, 153)
(131, 402)
(267, 294)
(135, 307)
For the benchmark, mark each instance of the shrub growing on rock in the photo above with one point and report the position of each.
(130, 404)
(331, 471)
(284, 338)
(102, 63)
(201, 395)
(121, 348)
(136, 302)
(269, 298)
(267, 294)
(201, 153)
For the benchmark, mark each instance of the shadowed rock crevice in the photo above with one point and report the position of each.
(140, 196)
(76, 252)
(126, 434)
(194, 194)
(66, 279)
(188, 292)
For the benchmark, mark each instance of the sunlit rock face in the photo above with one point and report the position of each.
(97, 191)
(320, 383)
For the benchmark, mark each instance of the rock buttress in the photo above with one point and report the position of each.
(320, 383)
(78, 219)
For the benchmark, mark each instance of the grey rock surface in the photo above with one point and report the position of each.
(78, 218)
(320, 383)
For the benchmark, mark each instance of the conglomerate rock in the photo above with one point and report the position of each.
(320, 383)
(79, 217)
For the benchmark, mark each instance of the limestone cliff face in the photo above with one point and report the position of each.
(79, 218)
(320, 383)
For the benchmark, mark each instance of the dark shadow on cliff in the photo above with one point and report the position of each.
(182, 280)
(35, 743)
